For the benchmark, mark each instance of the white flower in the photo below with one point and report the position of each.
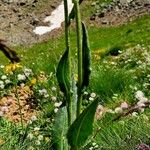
(93, 95)
(1, 82)
(118, 110)
(85, 93)
(56, 110)
(2, 66)
(54, 88)
(7, 81)
(134, 114)
(2, 86)
(139, 95)
(37, 142)
(40, 137)
(93, 143)
(30, 136)
(33, 118)
(36, 129)
(1, 114)
(27, 72)
(21, 77)
(53, 98)
(46, 95)
(43, 92)
(3, 77)
(57, 104)
(124, 105)
(91, 98)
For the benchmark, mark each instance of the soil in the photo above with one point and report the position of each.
(20, 17)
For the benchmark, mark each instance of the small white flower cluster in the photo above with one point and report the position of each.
(57, 105)
(139, 95)
(27, 72)
(21, 77)
(2, 84)
(94, 146)
(92, 96)
(4, 80)
(44, 93)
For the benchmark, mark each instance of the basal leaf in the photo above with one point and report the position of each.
(60, 130)
(82, 127)
(86, 54)
(62, 73)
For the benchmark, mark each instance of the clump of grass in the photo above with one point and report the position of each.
(109, 81)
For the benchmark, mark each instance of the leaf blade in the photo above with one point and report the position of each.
(82, 127)
(86, 57)
(62, 73)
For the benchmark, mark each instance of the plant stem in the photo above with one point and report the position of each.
(18, 101)
(79, 45)
(69, 99)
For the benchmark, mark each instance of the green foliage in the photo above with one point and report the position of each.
(62, 73)
(86, 54)
(60, 129)
(82, 127)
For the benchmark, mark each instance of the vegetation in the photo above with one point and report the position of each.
(119, 81)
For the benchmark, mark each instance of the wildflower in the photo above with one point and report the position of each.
(30, 136)
(46, 95)
(7, 81)
(124, 105)
(118, 110)
(3, 77)
(142, 146)
(47, 139)
(33, 118)
(27, 72)
(36, 129)
(37, 142)
(12, 67)
(54, 88)
(85, 93)
(40, 137)
(31, 148)
(43, 92)
(53, 98)
(56, 110)
(91, 98)
(139, 95)
(33, 81)
(93, 95)
(57, 104)
(21, 77)
(1, 113)
(134, 114)
(2, 66)
(2, 86)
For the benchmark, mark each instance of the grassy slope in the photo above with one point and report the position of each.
(45, 56)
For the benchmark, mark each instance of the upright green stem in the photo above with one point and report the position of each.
(69, 99)
(79, 45)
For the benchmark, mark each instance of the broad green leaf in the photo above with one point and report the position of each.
(86, 54)
(62, 73)
(59, 129)
(82, 127)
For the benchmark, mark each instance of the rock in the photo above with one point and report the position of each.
(105, 22)
(93, 17)
(8, 1)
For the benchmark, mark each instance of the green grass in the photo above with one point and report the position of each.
(106, 81)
